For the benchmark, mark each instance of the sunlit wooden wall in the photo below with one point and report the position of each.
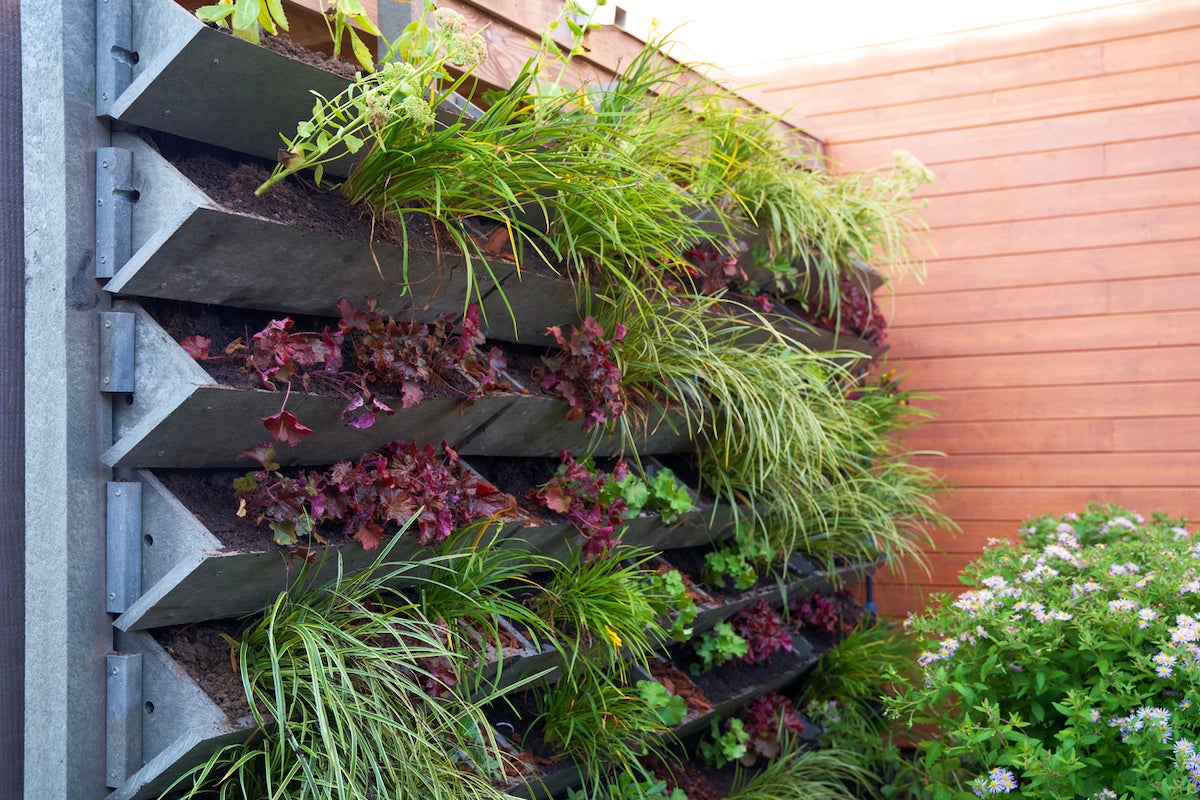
(1060, 319)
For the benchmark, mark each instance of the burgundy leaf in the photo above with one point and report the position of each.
(286, 428)
(196, 346)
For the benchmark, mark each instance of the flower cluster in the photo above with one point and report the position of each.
(997, 781)
(1080, 645)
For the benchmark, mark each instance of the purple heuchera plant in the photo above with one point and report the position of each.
(584, 373)
(762, 628)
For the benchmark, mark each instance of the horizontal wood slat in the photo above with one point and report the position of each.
(1126, 20)
(1068, 469)
(1136, 157)
(1078, 333)
(1089, 195)
(1180, 293)
(1070, 402)
(1161, 435)
(1143, 260)
(1097, 369)
(967, 504)
(1051, 236)
(1106, 126)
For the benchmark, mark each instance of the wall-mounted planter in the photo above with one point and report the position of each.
(180, 416)
(180, 724)
(159, 67)
(189, 575)
(181, 244)
(728, 696)
(538, 426)
(799, 578)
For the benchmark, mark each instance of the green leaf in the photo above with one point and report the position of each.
(216, 14)
(245, 16)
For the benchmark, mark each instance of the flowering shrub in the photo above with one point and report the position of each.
(1070, 667)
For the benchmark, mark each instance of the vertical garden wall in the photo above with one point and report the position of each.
(685, 325)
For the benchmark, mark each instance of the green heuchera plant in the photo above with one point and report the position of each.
(1069, 668)
(718, 646)
(671, 708)
(725, 746)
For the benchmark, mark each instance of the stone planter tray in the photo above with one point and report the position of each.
(195, 81)
(538, 426)
(183, 245)
(188, 575)
(180, 725)
(180, 416)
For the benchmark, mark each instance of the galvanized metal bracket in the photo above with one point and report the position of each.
(115, 196)
(123, 739)
(117, 336)
(124, 568)
(115, 55)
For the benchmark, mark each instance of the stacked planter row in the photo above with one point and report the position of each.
(183, 725)
(160, 236)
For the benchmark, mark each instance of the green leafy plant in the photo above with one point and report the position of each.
(803, 775)
(668, 496)
(603, 726)
(344, 19)
(724, 746)
(338, 681)
(718, 646)
(728, 563)
(603, 614)
(626, 787)
(671, 709)
(679, 608)
(843, 696)
(1067, 668)
(245, 17)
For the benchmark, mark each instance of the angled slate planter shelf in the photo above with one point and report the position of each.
(159, 67)
(804, 654)
(188, 575)
(180, 724)
(178, 415)
(799, 578)
(180, 244)
(538, 426)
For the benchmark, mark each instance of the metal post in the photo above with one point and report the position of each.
(68, 634)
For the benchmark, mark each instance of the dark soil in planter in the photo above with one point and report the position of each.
(696, 779)
(284, 46)
(208, 494)
(230, 179)
(523, 363)
(737, 677)
(518, 477)
(515, 722)
(209, 660)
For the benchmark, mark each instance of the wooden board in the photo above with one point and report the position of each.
(1176, 293)
(1062, 335)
